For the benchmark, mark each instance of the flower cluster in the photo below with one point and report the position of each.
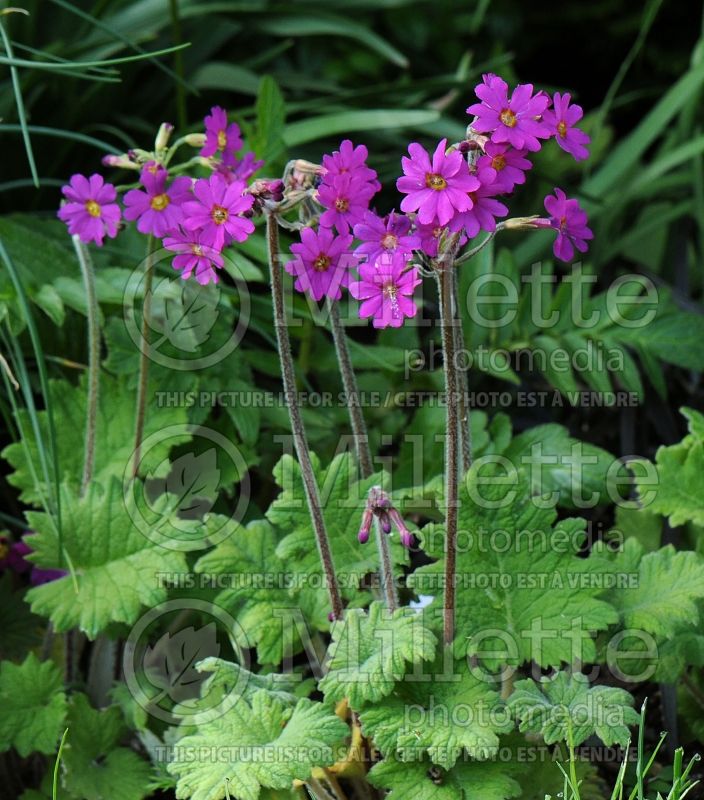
(379, 505)
(194, 217)
(450, 195)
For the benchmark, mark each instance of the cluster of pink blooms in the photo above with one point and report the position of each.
(449, 196)
(196, 219)
(454, 190)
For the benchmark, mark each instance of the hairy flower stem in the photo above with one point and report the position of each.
(463, 386)
(452, 433)
(361, 445)
(93, 360)
(143, 379)
(299, 433)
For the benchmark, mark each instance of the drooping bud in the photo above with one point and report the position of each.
(163, 135)
(385, 522)
(367, 517)
(404, 534)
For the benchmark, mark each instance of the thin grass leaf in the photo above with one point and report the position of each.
(331, 25)
(19, 102)
(57, 133)
(43, 380)
(125, 40)
(69, 65)
(327, 125)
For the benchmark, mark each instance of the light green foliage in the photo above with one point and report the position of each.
(466, 781)
(264, 742)
(33, 706)
(95, 766)
(115, 567)
(519, 575)
(679, 493)
(441, 714)
(566, 708)
(370, 651)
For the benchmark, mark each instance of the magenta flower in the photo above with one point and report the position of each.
(386, 290)
(483, 209)
(241, 169)
(13, 557)
(561, 120)
(516, 120)
(388, 235)
(437, 189)
(322, 263)
(352, 160)
(91, 212)
(195, 254)
(221, 136)
(346, 199)
(158, 210)
(570, 222)
(508, 164)
(216, 211)
(429, 238)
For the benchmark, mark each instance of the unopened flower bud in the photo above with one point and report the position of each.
(365, 527)
(119, 162)
(140, 156)
(404, 534)
(385, 523)
(163, 135)
(194, 139)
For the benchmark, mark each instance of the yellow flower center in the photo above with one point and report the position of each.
(93, 208)
(435, 181)
(159, 202)
(390, 291)
(322, 263)
(222, 140)
(508, 118)
(389, 241)
(197, 250)
(498, 163)
(562, 128)
(342, 204)
(219, 215)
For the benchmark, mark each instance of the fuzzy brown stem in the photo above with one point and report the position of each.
(361, 445)
(298, 429)
(143, 380)
(452, 432)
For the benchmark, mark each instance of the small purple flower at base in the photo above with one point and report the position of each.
(12, 557)
(561, 119)
(322, 263)
(381, 236)
(509, 164)
(241, 169)
(346, 199)
(195, 255)
(386, 290)
(484, 207)
(515, 120)
(91, 212)
(158, 209)
(221, 136)
(216, 211)
(353, 161)
(570, 222)
(436, 189)
(429, 238)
